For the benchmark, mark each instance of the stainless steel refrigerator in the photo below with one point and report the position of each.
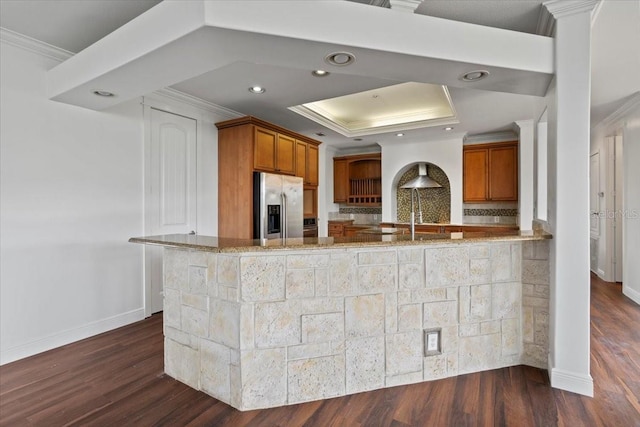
(277, 206)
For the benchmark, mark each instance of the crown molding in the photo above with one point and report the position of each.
(405, 5)
(490, 137)
(176, 95)
(620, 112)
(546, 23)
(379, 3)
(32, 45)
(562, 8)
(555, 9)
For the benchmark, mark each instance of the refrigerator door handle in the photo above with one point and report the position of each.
(284, 216)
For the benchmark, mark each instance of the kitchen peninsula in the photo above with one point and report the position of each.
(261, 324)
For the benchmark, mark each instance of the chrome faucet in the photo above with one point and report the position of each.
(413, 213)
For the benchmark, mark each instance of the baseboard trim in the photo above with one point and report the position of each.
(570, 381)
(71, 335)
(631, 293)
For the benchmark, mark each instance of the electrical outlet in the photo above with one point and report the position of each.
(496, 219)
(432, 344)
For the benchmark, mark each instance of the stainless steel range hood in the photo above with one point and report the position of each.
(422, 180)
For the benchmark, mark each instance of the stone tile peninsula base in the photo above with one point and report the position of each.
(264, 329)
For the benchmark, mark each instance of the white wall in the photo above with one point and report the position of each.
(71, 197)
(525, 173)
(397, 158)
(325, 188)
(631, 221)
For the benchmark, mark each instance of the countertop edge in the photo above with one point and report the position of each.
(309, 244)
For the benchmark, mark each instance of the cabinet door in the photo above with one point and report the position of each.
(285, 155)
(336, 230)
(475, 175)
(310, 202)
(264, 157)
(312, 165)
(340, 181)
(301, 160)
(503, 173)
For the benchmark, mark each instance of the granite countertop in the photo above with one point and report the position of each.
(446, 224)
(221, 244)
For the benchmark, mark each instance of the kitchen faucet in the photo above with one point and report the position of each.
(413, 213)
(421, 181)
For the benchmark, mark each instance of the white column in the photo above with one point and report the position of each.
(569, 207)
(525, 171)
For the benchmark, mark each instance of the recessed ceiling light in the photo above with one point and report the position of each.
(474, 76)
(103, 93)
(400, 134)
(448, 128)
(340, 59)
(320, 73)
(357, 139)
(257, 89)
(319, 133)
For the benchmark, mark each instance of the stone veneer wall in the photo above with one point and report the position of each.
(436, 202)
(265, 329)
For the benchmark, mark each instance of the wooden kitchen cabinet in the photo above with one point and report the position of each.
(337, 227)
(264, 157)
(312, 164)
(301, 159)
(274, 152)
(340, 180)
(352, 230)
(307, 162)
(248, 144)
(310, 201)
(285, 155)
(357, 180)
(490, 172)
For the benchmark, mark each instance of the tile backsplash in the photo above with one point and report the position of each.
(483, 213)
(436, 202)
(357, 217)
(360, 210)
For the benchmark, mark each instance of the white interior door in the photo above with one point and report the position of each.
(171, 190)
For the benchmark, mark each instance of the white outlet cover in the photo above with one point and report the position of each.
(432, 341)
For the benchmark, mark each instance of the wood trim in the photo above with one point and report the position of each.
(258, 122)
(356, 157)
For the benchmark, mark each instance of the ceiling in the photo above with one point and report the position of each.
(74, 25)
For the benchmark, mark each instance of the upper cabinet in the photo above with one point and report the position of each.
(274, 152)
(312, 164)
(357, 180)
(307, 162)
(340, 180)
(490, 172)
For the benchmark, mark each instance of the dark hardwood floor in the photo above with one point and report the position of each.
(116, 379)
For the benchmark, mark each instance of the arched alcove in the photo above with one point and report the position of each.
(436, 202)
